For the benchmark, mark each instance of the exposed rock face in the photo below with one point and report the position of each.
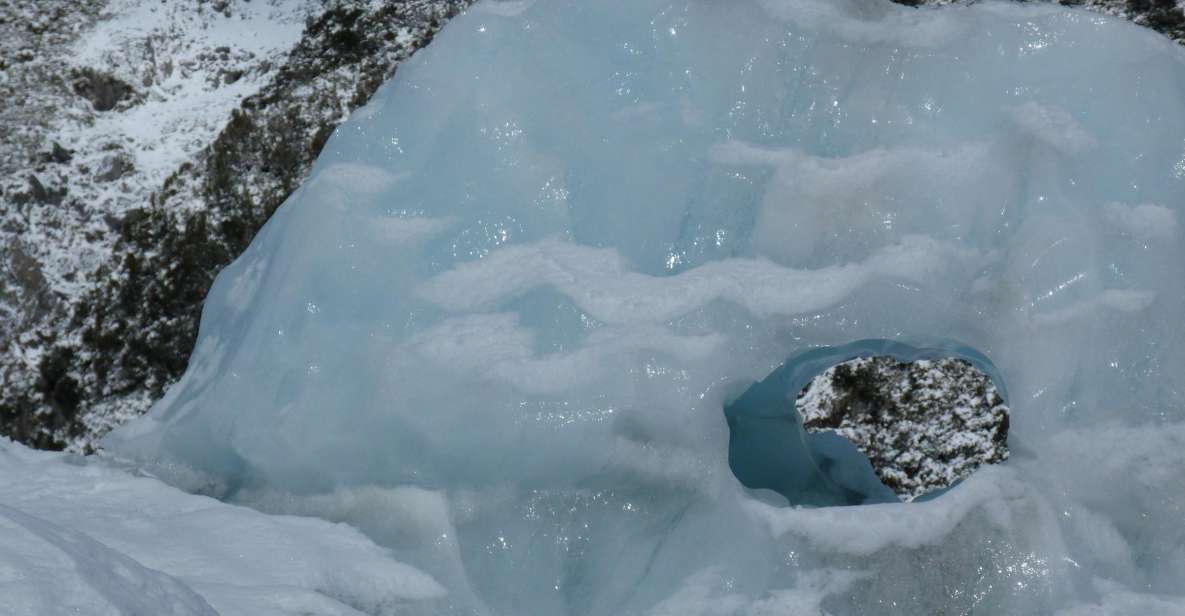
(111, 255)
(102, 90)
(923, 425)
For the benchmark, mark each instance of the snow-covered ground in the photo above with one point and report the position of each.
(78, 536)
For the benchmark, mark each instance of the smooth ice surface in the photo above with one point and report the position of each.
(497, 328)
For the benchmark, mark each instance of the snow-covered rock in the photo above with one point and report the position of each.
(1164, 16)
(144, 144)
(923, 425)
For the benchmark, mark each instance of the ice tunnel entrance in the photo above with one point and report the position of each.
(770, 449)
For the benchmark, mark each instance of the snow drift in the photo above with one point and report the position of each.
(498, 327)
(81, 537)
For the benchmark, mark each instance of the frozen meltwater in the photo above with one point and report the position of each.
(497, 328)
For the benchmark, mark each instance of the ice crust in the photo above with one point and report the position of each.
(497, 329)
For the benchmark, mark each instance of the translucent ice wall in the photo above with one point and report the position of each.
(497, 327)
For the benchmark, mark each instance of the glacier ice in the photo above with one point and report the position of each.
(497, 328)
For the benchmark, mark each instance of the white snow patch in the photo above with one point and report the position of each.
(80, 535)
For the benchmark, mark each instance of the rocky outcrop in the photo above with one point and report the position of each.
(923, 425)
(82, 357)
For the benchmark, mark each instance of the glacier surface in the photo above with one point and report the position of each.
(497, 329)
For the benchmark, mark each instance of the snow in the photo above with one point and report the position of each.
(81, 536)
(625, 214)
(172, 50)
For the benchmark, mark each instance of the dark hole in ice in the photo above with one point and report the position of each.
(873, 421)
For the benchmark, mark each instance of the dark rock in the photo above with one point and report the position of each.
(127, 223)
(37, 190)
(58, 154)
(39, 193)
(113, 167)
(104, 91)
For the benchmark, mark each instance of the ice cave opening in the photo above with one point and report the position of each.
(922, 445)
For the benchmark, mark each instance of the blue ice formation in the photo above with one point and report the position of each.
(497, 328)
